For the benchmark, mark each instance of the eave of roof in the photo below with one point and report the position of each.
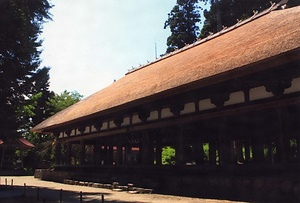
(25, 143)
(268, 36)
(17, 142)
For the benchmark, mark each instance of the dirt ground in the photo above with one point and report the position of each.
(46, 191)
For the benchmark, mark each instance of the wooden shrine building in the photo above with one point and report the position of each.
(228, 104)
(9, 161)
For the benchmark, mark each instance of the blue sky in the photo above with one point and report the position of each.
(91, 43)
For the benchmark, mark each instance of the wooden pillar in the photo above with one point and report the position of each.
(199, 152)
(224, 144)
(247, 141)
(256, 131)
(82, 152)
(151, 151)
(270, 155)
(119, 153)
(224, 152)
(128, 158)
(247, 150)
(68, 149)
(105, 154)
(298, 149)
(179, 151)
(238, 151)
(68, 153)
(212, 152)
(102, 154)
(282, 138)
(258, 150)
(57, 153)
(158, 151)
(3, 156)
(96, 152)
(111, 154)
(147, 149)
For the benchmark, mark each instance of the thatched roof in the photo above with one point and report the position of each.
(273, 34)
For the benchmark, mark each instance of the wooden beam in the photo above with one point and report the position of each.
(211, 114)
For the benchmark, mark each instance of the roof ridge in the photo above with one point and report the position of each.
(199, 41)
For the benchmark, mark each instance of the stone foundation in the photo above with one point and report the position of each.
(242, 188)
(51, 175)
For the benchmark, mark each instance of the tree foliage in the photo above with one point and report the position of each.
(168, 155)
(182, 21)
(184, 18)
(25, 98)
(43, 153)
(20, 27)
(227, 12)
(62, 101)
(34, 108)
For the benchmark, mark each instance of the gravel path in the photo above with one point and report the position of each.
(50, 192)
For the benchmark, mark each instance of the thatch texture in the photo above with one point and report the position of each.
(268, 36)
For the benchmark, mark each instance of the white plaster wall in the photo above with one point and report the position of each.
(295, 86)
(126, 121)
(104, 126)
(61, 135)
(153, 116)
(235, 98)
(77, 132)
(188, 108)
(135, 119)
(112, 124)
(166, 112)
(206, 104)
(259, 93)
(72, 133)
(87, 129)
(93, 129)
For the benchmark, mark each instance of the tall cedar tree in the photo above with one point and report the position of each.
(35, 108)
(227, 12)
(182, 21)
(20, 27)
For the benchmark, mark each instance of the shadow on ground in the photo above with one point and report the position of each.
(18, 194)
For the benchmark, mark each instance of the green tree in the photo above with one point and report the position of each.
(41, 86)
(182, 21)
(20, 27)
(227, 12)
(62, 101)
(168, 155)
(42, 155)
(34, 109)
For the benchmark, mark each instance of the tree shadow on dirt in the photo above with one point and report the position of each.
(21, 194)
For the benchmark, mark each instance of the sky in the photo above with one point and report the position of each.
(91, 43)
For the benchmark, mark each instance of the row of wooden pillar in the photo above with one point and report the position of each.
(113, 154)
(223, 148)
(220, 152)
